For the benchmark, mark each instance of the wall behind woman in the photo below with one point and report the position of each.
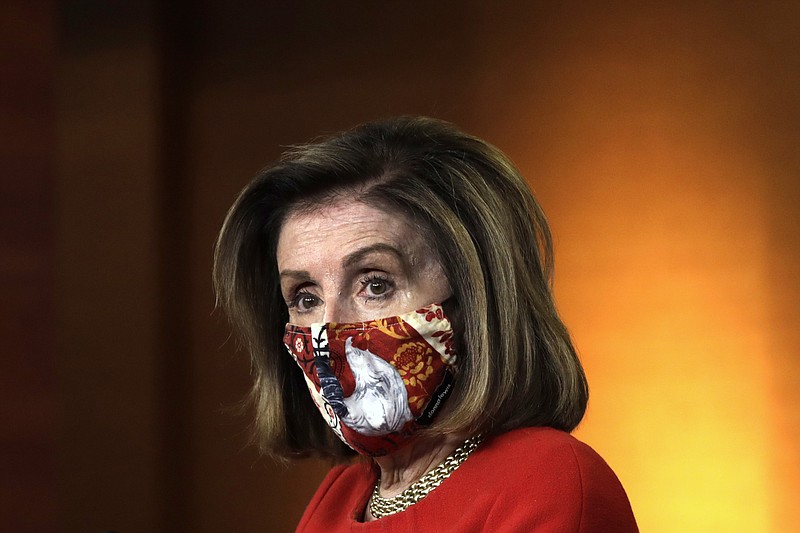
(28, 397)
(661, 142)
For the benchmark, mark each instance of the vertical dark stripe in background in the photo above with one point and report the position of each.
(27, 303)
(174, 45)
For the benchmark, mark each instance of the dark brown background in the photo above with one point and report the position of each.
(662, 140)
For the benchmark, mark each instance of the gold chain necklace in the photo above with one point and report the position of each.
(380, 506)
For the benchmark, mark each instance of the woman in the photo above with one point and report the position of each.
(406, 269)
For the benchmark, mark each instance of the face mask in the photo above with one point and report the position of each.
(377, 382)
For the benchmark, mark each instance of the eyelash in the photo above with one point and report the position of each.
(372, 278)
(294, 301)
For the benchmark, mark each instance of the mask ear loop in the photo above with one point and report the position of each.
(329, 386)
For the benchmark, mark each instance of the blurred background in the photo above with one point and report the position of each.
(662, 139)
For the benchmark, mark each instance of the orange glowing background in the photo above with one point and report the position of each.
(663, 142)
(676, 225)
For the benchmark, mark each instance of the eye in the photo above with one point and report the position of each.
(304, 302)
(376, 287)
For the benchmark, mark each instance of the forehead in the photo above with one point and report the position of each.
(330, 232)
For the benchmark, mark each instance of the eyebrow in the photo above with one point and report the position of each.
(296, 274)
(361, 253)
(349, 260)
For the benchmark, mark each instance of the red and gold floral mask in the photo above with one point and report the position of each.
(376, 382)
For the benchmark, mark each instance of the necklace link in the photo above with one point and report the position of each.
(380, 506)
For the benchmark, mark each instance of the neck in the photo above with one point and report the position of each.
(399, 470)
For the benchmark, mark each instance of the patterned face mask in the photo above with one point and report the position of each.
(376, 382)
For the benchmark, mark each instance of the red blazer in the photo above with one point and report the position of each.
(530, 479)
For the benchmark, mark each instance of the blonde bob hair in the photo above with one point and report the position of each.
(517, 366)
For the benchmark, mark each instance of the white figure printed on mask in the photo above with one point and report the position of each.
(379, 403)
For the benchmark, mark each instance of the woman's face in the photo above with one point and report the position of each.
(349, 262)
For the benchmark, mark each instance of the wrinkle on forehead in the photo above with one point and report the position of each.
(352, 224)
(325, 252)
